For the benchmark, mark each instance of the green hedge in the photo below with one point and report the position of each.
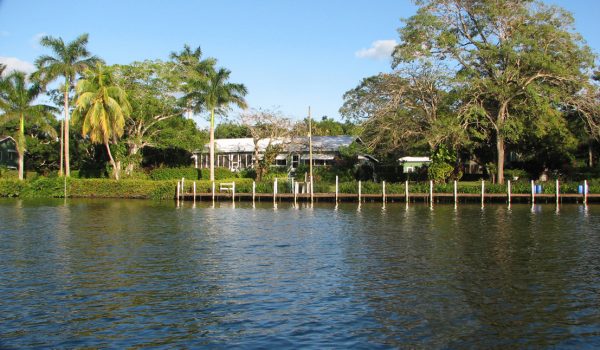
(175, 173)
(105, 188)
(220, 174)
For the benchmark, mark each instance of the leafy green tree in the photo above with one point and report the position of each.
(69, 60)
(103, 108)
(514, 58)
(17, 103)
(151, 90)
(232, 130)
(215, 94)
(405, 111)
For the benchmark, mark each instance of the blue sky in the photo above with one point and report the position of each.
(289, 53)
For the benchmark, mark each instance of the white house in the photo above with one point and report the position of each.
(237, 154)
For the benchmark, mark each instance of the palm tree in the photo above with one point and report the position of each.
(69, 60)
(103, 106)
(216, 95)
(17, 97)
(190, 67)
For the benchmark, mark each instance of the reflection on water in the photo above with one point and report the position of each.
(96, 273)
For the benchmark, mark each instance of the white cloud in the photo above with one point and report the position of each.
(35, 40)
(380, 49)
(13, 63)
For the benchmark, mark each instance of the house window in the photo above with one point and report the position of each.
(281, 162)
(295, 161)
(410, 169)
(12, 155)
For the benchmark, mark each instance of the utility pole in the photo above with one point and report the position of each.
(310, 154)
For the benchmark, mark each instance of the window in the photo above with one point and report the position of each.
(12, 155)
(410, 169)
(295, 161)
(281, 162)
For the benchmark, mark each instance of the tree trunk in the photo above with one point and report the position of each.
(257, 167)
(500, 142)
(131, 151)
(212, 144)
(62, 148)
(66, 131)
(112, 161)
(500, 161)
(590, 154)
(21, 146)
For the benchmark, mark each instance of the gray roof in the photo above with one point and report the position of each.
(296, 144)
(4, 138)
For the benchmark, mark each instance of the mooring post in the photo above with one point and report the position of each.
(585, 191)
(182, 188)
(253, 190)
(406, 191)
(532, 192)
(233, 192)
(557, 191)
(508, 191)
(337, 188)
(312, 196)
(455, 192)
(482, 192)
(383, 191)
(194, 191)
(213, 191)
(295, 189)
(178, 190)
(275, 190)
(431, 192)
(359, 190)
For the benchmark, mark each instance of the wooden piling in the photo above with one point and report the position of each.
(431, 192)
(585, 191)
(557, 192)
(383, 191)
(455, 192)
(183, 188)
(194, 191)
(406, 191)
(359, 190)
(178, 190)
(253, 190)
(213, 191)
(275, 190)
(482, 192)
(532, 192)
(233, 191)
(337, 188)
(295, 189)
(508, 191)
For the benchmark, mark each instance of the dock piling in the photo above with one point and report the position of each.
(337, 188)
(359, 191)
(406, 191)
(532, 192)
(383, 191)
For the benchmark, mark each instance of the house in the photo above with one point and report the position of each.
(237, 154)
(9, 156)
(410, 164)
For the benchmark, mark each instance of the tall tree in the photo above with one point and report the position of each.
(68, 60)
(409, 109)
(190, 67)
(17, 103)
(270, 130)
(510, 55)
(103, 106)
(216, 95)
(151, 92)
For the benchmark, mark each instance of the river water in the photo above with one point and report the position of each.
(126, 273)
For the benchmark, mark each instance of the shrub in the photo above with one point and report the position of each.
(11, 188)
(174, 173)
(220, 174)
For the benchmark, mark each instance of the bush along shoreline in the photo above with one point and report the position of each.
(166, 187)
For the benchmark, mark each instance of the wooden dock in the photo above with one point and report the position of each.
(227, 192)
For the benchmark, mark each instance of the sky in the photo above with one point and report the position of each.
(290, 54)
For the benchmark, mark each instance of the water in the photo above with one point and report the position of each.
(117, 274)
